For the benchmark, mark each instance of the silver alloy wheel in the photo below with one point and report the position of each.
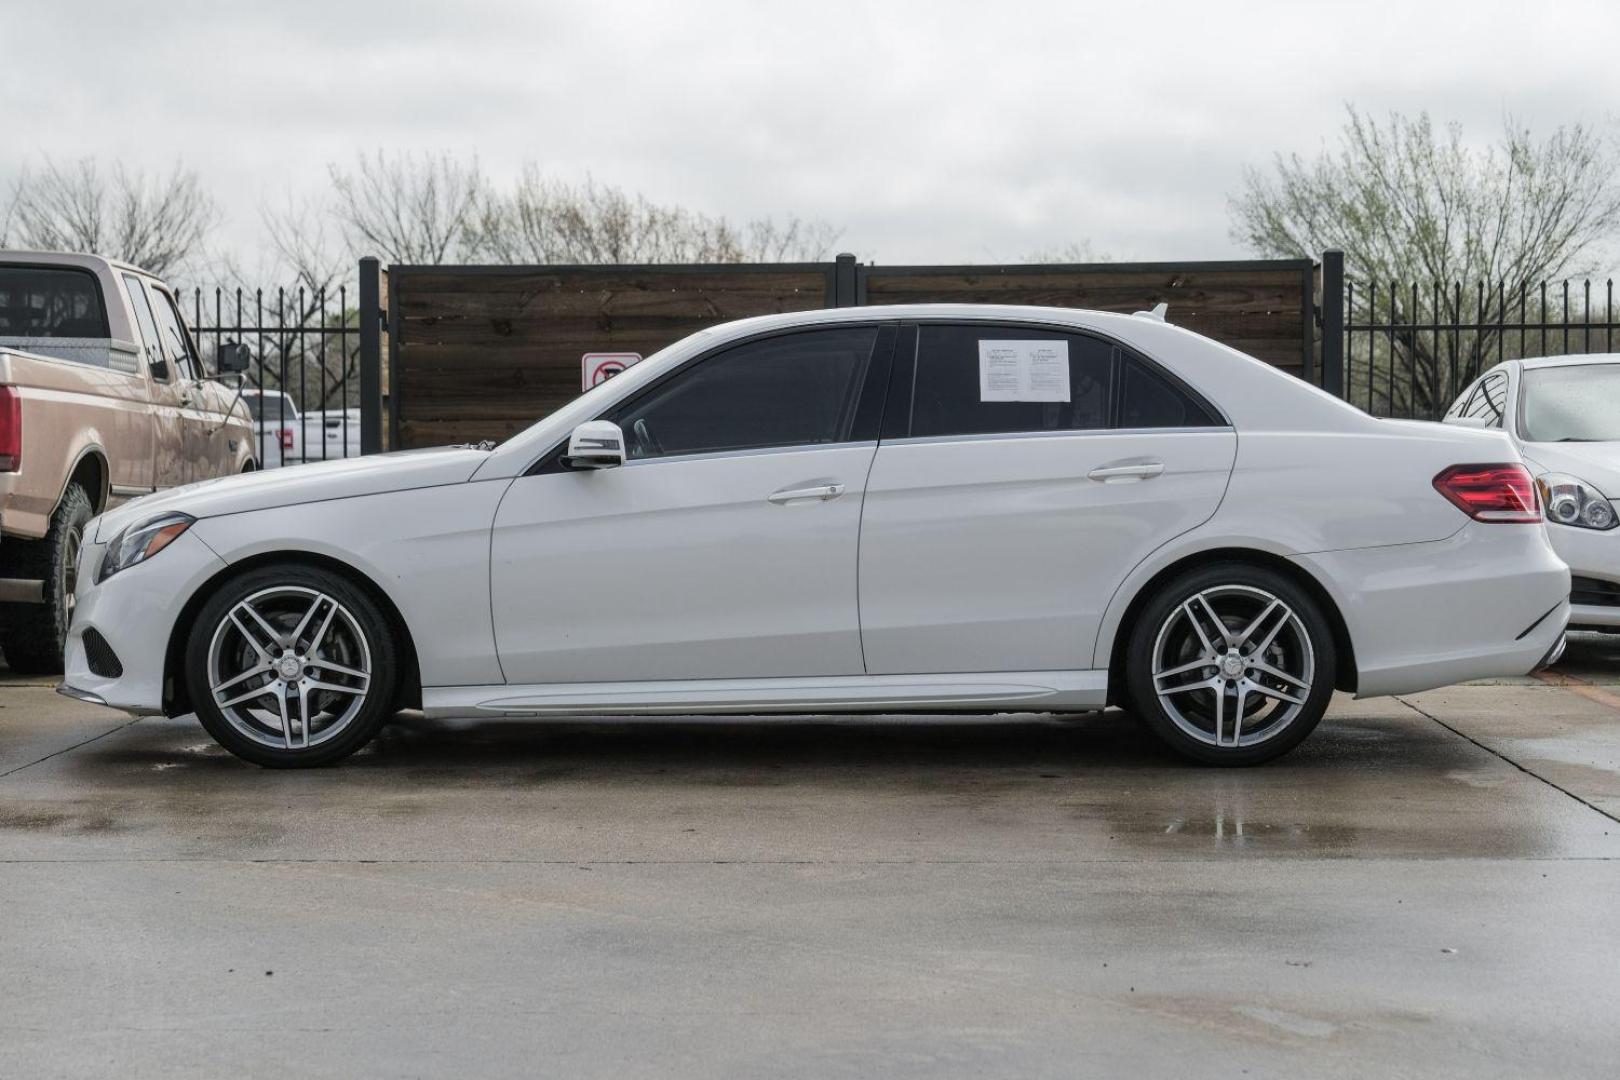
(289, 667)
(1233, 666)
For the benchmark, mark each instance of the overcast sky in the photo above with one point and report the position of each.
(936, 131)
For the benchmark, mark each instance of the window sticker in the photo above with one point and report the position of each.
(1024, 370)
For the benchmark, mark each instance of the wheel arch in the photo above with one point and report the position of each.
(91, 472)
(176, 694)
(1344, 676)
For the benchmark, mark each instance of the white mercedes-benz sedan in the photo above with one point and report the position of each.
(901, 509)
(1563, 412)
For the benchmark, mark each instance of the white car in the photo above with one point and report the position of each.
(276, 427)
(921, 508)
(1563, 412)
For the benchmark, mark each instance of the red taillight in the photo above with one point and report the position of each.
(286, 438)
(10, 429)
(1495, 493)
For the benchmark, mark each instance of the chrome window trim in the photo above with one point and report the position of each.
(755, 451)
(1077, 433)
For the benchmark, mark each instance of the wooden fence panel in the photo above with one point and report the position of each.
(482, 352)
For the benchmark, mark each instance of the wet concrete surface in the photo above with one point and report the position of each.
(1428, 887)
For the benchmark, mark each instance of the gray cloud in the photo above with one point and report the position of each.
(928, 131)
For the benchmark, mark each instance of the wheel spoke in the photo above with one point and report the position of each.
(256, 692)
(286, 723)
(1201, 684)
(1259, 621)
(257, 669)
(261, 645)
(1279, 673)
(1273, 692)
(353, 691)
(1192, 619)
(1237, 713)
(1201, 662)
(1220, 624)
(303, 714)
(327, 665)
(303, 624)
(320, 634)
(1220, 709)
(1271, 635)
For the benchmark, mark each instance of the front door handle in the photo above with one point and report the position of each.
(819, 494)
(1127, 471)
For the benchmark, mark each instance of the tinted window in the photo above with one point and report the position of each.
(1148, 400)
(794, 390)
(967, 374)
(145, 324)
(50, 302)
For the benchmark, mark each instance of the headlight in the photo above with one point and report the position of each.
(1574, 502)
(140, 542)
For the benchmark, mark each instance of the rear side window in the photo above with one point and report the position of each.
(51, 302)
(989, 380)
(794, 390)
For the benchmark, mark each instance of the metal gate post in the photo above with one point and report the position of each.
(1333, 322)
(370, 357)
(844, 281)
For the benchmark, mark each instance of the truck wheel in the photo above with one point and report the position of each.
(35, 635)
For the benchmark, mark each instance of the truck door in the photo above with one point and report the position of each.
(169, 465)
(203, 401)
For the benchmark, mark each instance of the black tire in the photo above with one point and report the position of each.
(1235, 593)
(375, 641)
(35, 635)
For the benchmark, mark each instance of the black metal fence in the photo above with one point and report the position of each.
(1407, 349)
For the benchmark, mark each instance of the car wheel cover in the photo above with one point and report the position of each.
(289, 667)
(1233, 666)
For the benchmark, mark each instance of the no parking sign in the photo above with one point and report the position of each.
(599, 367)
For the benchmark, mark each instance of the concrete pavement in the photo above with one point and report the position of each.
(1428, 887)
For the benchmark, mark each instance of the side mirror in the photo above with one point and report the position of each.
(1471, 421)
(595, 444)
(233, 357)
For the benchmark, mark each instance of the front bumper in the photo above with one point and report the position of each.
(1594, 556)
(1488, 602)
(135, 611)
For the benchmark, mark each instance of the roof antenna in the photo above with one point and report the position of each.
(1158, 311)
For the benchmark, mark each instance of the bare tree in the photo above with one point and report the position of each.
(544, 220)
(1419, 213)
(407, 208)
(1075, 251)
(159, 223)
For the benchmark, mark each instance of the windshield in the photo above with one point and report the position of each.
(270, 406)
(1580, 403)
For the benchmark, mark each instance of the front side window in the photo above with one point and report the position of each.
(50, 302)
(1579, 403)
(794, 390)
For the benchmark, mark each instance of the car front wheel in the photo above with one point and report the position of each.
(291, 666)
(1231, 664)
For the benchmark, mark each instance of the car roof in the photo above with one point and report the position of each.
(1532, 362)
(1082, 317)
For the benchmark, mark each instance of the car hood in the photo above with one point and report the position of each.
(1595, 462)
(316, 482)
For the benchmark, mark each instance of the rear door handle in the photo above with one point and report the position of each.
(1123, 472)
(819, 494)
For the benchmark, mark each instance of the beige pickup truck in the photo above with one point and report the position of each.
(102, 398)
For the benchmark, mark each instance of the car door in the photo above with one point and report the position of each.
(725, 547)
(1023, 472)
(170, 459)
(200, 413)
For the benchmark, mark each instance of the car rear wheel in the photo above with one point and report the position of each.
(1231, 664)
(291, 666)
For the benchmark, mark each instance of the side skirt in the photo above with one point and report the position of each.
(1017, 691)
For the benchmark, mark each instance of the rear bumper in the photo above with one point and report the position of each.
(1488, 602)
